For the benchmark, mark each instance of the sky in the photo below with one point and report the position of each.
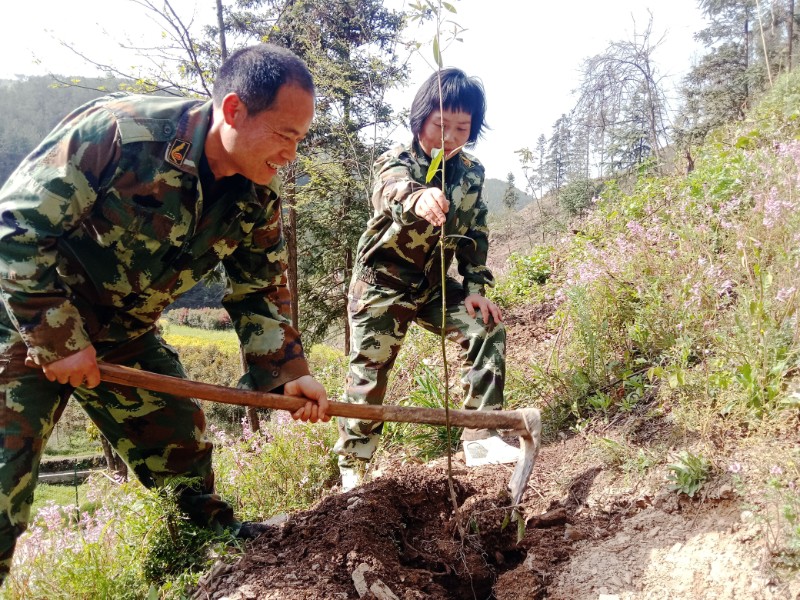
(527, 53)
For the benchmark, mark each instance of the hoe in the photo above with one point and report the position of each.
(526, 423)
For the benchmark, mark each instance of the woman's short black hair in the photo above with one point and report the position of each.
(460, 93)
(256, 74)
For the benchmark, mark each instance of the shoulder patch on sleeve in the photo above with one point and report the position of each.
(177, 151)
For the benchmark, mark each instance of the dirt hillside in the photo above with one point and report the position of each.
(589, 533)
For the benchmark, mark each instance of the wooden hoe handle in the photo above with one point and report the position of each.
(217, 393)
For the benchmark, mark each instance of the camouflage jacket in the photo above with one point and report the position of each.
(103, 226)
(401, 250)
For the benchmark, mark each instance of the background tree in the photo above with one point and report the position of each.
(576, 196)
(539, 166)
(578, 162)
(629, 138)
(32, 106)
(510, 196)
(351, 47)
(718, 88)
(622, 100)
(556, 163)
(534, 169)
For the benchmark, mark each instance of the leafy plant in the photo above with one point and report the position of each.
(688, 474)
(424, 442)
(783, 524)
(285, 466)
(524, 279)
(175, 545)
(129, 544)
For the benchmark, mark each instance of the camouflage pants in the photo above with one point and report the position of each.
(160, 437)
(379, 319)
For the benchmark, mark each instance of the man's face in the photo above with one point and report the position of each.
(456, 131)
(258, 145)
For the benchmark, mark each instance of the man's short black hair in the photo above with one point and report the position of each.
(460, 93)
(256, 73)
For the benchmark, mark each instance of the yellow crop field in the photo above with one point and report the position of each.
(180, 335)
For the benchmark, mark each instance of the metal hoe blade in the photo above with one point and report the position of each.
(530, 439)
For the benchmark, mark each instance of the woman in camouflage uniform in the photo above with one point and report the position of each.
(397, 279)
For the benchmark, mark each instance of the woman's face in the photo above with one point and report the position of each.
(456, 127)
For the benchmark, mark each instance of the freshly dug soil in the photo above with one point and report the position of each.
(399, 536)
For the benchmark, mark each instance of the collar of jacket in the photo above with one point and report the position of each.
(186, 148)
(453, 166)
(187, 145)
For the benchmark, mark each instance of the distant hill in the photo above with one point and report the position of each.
(32, 106)
(493, 192)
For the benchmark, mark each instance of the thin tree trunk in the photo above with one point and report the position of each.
(348, 253)
(764, 42)
(290, 234)
(108, 453)
(348, 273)
(790, 35)
(291, 241)
(746, 62)
(120, 468)
(115, 465)
(252, 415)
(542, 216)
(223, 48)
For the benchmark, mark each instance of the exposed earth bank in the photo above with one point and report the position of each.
(590, 531)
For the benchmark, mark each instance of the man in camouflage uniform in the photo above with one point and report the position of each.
(125, 206)
(397, 278)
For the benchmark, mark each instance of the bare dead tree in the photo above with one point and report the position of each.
(620, 79)
(184, 64)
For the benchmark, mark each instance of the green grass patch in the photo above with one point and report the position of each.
(76, 443)
(60, 495)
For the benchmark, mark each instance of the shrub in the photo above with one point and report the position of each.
(288, 465)
(576, 196)
(202, 318)
(522, 283)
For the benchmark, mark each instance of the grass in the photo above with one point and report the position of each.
(60, 495)
(77, 443)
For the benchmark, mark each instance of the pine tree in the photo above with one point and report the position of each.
(557, 160)
(719, 87)
(510, 195)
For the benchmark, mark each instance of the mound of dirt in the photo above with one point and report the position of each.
(395, 537)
